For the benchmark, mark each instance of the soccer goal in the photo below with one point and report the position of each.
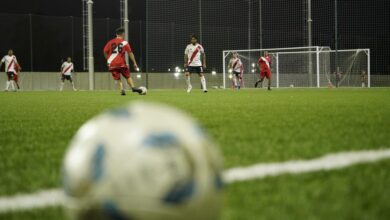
(314, 67)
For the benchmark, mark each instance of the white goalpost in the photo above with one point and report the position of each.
(310, 67)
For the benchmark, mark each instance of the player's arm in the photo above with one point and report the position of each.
(185, 60)
(204, 59)
(186, 57)
(132, 58)
(18, 65)
(2, 61)
(230, 64)
(106, 51)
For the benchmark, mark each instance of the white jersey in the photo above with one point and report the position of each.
(194, 52)
(67, 68)
(10, 63)
(236, 65)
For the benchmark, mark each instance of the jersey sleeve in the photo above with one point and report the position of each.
(107, 48)
(187, 51)
(3, 60)
(62, 66)
(201, 49)
(128, 48)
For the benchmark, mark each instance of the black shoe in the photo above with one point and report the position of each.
(123, 93)
(205, 91)
(269, 89)
(137, 90)
(256, 84)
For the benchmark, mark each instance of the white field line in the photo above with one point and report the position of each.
(55, 197)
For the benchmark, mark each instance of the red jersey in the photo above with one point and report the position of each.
(116, 52)
(265, 63)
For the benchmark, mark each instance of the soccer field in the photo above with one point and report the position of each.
(250, 126)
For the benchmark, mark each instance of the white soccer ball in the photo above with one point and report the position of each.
(144, 90)
(144, 161)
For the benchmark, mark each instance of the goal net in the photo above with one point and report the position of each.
(304, 67)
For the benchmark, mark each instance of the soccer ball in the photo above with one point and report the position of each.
(144, 90)
(145, 161)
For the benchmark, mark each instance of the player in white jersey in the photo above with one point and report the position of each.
(237, 68)
(195, 62)
(11, 67)
(66, 73)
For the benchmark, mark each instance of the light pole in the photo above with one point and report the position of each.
(90, 46)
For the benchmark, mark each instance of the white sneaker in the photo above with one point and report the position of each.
(189, 89)
(74, 89)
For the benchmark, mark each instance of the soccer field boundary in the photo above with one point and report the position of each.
(55, 197)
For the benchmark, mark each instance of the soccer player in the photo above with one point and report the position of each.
(195, 62)
(264, 65)
(11, 66)
(115, 53)
(237, 68)
(66, 73)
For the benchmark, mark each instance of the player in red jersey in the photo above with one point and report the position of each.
(264, 65)
(115, 53)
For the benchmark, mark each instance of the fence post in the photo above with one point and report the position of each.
(318, 66)
(31, 44)
(277, 70)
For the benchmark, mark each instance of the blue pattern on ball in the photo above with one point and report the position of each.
(161, 140)
(98, 163)
(112, 212)
(180, 193)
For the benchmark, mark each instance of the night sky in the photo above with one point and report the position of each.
(102, 8)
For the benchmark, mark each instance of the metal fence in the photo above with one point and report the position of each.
(41, 43)
(256, 24)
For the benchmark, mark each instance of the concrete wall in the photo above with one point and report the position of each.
(50, 81)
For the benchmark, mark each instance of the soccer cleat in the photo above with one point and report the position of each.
(256, 84)
(269, 89)
(189, 89)
(137, 90)
(205, 91)
(74, 89)
(123, 93)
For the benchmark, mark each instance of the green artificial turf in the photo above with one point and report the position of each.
(251, 126)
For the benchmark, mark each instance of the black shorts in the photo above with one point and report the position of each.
(10, 75)
(237, 74)
(194, 69)
(66, 77)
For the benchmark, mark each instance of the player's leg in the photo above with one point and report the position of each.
(241, 81)
(262, 77)
(120, 87)
(235, 79)
(116, 75)
(188, 79)
(202, 79)
(12, 82)
(238, 81)
(126, 73)
(72, 82)
(62, 82)
(8, 82)
(269, 77)
(16, 79)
